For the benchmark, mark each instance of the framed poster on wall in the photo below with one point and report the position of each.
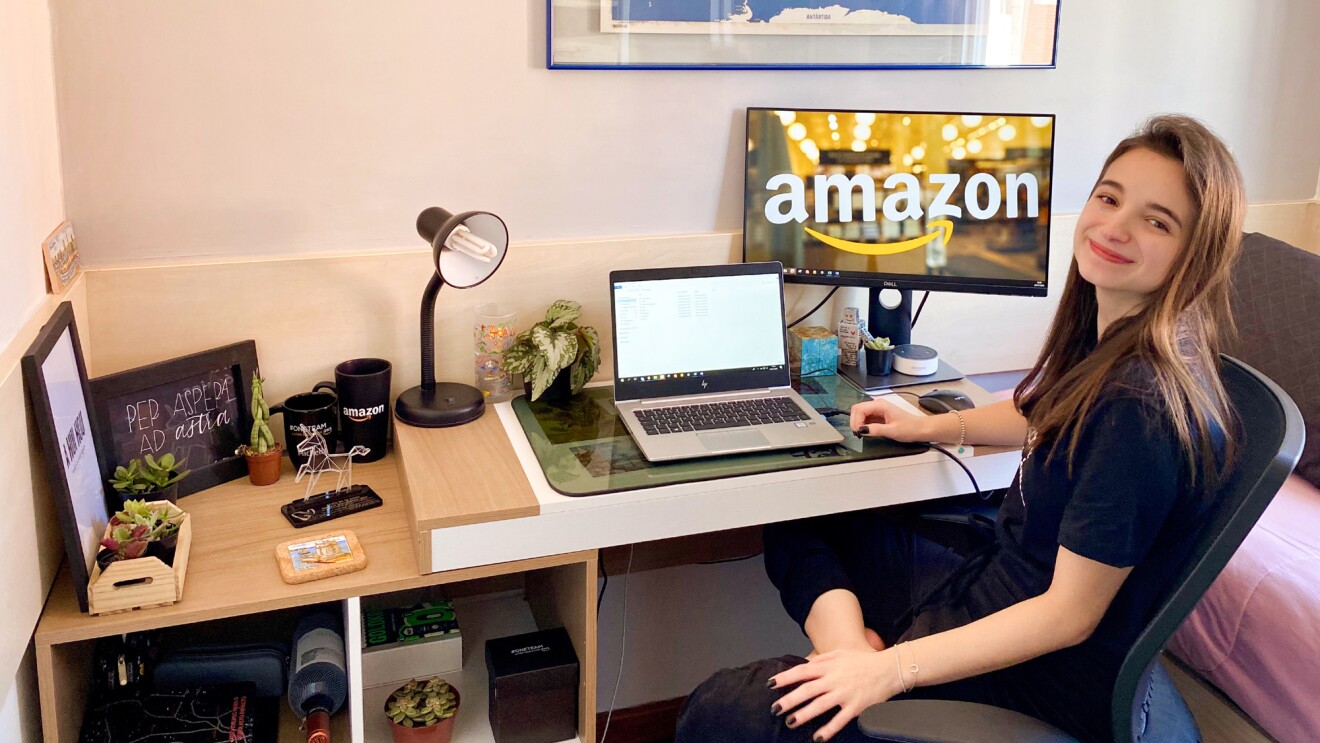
(56, 380)
(800, 34)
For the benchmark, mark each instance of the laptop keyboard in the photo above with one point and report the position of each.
(708, 416)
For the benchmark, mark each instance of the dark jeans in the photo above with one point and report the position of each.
(885, 565)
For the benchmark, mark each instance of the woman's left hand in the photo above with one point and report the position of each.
(849, 679)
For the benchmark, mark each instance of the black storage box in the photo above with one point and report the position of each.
(533, 687)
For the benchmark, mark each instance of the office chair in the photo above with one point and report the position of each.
(1146, 706)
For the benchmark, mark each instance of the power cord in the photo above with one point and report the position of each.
(623, 642)
(917, 314)
(812, 311)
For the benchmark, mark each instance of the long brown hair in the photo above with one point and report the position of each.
(1177, 333)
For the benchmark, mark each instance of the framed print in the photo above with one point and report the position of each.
(61, 254)
(196, 407)
(56, 380)
(800, 34)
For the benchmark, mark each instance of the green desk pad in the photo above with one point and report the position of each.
(584, 448)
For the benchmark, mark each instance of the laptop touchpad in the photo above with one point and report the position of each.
(740, 440)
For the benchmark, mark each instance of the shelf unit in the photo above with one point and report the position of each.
(232, 573)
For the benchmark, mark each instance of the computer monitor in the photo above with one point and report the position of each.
(900, 200)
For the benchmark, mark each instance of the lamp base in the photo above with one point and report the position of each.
(449, 404)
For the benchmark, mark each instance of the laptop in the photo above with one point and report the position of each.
(701, 363)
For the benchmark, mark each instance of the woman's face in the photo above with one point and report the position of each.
(1133, 226)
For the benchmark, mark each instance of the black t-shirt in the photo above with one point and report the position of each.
(1128, 502)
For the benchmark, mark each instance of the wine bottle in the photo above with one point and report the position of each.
(318, 679)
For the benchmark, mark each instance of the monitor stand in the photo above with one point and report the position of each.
(895, 323)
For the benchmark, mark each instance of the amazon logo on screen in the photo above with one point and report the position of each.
(982, 194)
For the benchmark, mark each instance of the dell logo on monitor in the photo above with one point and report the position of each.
(890, 284)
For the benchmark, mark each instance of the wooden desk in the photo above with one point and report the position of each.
(462, 504)
(232, 572)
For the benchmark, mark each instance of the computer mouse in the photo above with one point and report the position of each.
(942, 401)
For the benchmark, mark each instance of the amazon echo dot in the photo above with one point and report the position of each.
(916, 361)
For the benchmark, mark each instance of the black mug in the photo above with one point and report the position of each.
(363, 386)
(317, 411)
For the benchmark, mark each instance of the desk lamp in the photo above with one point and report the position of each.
(467, 249)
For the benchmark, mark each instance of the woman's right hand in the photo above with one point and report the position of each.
(883, 418)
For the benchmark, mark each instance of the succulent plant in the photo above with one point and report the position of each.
(879, 344)
(420, 703)
(150, 475)
(552, 345)
(136, 526)
(261, 440)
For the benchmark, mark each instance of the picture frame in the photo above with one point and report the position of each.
(56, 379)
(197, 407)
(773, 34)
(60, 251)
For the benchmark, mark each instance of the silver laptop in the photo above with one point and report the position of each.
(701, 363)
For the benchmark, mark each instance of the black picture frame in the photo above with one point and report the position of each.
(56, 379)
(211, 456)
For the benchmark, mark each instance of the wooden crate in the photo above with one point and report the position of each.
(140, 583)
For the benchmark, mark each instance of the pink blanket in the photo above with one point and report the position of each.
(1256, 633)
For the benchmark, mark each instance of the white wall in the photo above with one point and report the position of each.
(31, 199)
(236, 127)
(31, 206)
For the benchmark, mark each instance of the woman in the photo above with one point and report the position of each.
(1121, 423)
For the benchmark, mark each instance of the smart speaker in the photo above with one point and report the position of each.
(915, 360)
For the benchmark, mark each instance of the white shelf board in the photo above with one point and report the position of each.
(479, 618)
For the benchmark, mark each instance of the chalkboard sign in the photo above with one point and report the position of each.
(196, 407)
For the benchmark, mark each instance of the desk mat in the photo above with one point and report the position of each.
(584, 448)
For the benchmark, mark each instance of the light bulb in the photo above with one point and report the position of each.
(858, 146)
(970, 120)
(462, 240)
(949, 132)
(907, 161)
(907, 121)
(974, 146)
(797, 131)
(786, 117)
(834, 136)
(1040, 122)
(862, 131)
(1007, 132)
(958, 153)
(865, 118)
(918, 152)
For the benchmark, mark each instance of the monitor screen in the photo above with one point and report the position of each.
(909, 200)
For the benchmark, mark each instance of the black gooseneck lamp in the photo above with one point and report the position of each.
(467, 249)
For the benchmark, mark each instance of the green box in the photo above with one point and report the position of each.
(425, 621)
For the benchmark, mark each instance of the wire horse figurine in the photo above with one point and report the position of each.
(320, 461)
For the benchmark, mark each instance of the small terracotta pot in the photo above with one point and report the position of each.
(264, 469)
(440, 732)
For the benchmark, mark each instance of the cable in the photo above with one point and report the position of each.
(917, 314)
(623, 644)
(604, 584)
(812, 311)
(959, 462)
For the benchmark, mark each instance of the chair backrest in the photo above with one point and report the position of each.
(1272, 437)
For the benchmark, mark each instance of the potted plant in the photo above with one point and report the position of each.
(261, 451)
(422, 711)
(555, 356)
(879, 357)
(139, 530)
(150, 476)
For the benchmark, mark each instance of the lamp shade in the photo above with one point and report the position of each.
(458, 268)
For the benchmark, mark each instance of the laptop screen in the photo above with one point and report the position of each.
(698, 329)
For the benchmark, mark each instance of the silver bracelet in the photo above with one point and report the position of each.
(898, 659)
(962, 430)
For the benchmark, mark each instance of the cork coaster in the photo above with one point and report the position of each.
(321, 556)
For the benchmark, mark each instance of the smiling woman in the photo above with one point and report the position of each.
(1039, 617)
